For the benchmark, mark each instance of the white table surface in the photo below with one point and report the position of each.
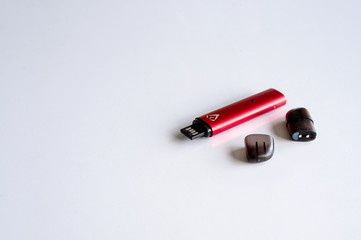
(93, 94)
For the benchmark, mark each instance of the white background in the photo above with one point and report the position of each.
(93, 94)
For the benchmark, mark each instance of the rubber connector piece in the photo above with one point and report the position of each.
(300, 125)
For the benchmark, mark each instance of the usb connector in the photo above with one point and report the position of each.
(197, 129)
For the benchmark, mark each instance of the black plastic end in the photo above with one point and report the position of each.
(259, 147)
(197, 129)
(300, 125)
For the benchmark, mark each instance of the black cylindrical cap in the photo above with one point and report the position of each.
(300, 125)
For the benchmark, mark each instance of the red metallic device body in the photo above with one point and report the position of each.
(241, 111)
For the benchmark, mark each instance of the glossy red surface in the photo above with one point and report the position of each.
(243, 110)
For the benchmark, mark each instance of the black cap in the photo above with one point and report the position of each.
(300, 125)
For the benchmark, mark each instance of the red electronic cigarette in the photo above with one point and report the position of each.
(229, 116)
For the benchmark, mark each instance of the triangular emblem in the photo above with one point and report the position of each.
(213, 117)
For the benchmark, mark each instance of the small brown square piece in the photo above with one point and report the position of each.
(259, 147)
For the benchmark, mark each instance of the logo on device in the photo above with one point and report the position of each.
(212, 117)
